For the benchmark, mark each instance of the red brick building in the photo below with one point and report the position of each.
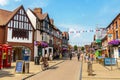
(17, 31)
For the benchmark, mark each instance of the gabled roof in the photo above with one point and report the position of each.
(41, 16)
(5, 15)
(44, 15)
(55, 27)
(65, 34)
(113, 20)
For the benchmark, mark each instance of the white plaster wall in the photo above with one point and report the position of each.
(116, 53)
(10, 39)
(39, 36)
(35, 51)
(45, 37)
(48, 50)
(48, 38)
(32, 18)
(43, 51)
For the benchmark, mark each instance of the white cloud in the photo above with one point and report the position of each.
(3, 2)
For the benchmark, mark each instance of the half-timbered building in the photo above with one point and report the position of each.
(43, 32)
(17, 31)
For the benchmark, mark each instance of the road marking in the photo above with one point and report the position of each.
(81, 63)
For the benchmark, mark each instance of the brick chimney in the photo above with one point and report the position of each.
(52, 21)
(38, 10)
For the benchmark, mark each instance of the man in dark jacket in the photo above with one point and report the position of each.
(70, 55)
(78, 56)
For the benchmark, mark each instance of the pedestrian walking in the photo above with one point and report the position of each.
(81, 57)
(87, 57)
(91, 57)
(78, 56)
(50, 57)
(70, 55)
(60, 56)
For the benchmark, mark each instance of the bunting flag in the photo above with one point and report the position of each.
(81, 31)
(79, 43)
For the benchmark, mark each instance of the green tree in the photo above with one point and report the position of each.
(75, 47)
(82, 48)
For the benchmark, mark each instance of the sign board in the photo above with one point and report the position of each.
(19, 66)
(109, 61)
(109, 35)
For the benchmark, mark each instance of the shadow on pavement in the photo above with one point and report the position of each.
(107, 68)
(92, 75)
(54, 67)
(5, 74)
(10, 67)
(118, 68)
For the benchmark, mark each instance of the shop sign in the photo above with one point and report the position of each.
(109, 61)
(19, 66)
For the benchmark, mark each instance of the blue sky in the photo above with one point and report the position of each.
(72, 15)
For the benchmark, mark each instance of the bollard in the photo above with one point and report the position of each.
(27, 65)
(90, 69)
(37, 60)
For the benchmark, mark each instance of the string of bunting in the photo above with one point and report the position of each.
(79, 42)
(81, 31)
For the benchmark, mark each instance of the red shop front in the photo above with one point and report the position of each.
(0, 56)
(6, 55)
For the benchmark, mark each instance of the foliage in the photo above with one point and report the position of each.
(75, 47)
(82, 48)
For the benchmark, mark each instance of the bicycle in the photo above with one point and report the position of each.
(45, 64)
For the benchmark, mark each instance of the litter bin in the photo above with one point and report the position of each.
(37, 61)
(27, 66)
(89, 68)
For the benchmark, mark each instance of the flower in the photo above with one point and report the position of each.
(43, 44)
(64, 49)
(114, 42)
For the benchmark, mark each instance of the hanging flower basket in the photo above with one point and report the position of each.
(114, 42)
(43, 44)
(64, 49)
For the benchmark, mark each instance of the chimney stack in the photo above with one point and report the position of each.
(52, 21)
(38, 10)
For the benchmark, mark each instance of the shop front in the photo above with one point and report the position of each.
(5, 55)
(114, 48)
(21, 53)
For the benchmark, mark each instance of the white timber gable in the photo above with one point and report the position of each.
(32, 18)
(20, 28)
